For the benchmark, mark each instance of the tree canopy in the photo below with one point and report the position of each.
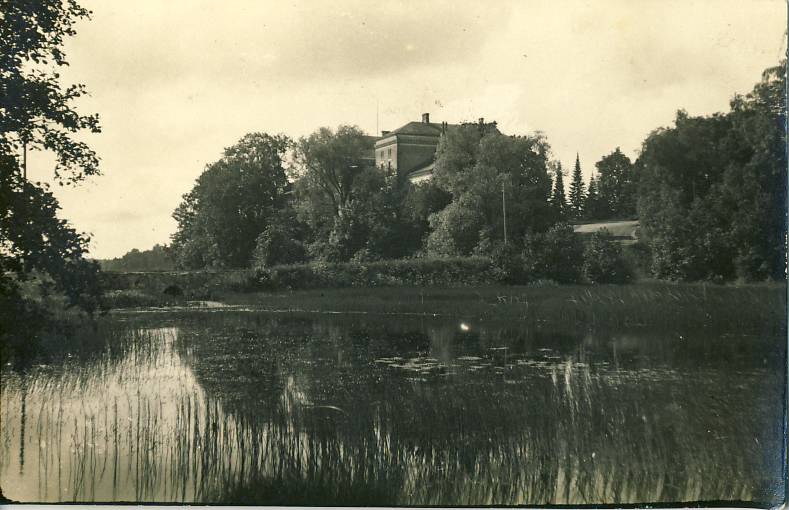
(35, 107)
(616, 186)
(158, 258)
(708, 191)
(474, 166)
(40, 254)
(231, 204)
(712, 192)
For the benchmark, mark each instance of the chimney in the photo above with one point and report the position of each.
(425, 118)
(384, 133)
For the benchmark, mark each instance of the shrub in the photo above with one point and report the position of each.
(638, 259)
(603, 260)
(276, 245)
(403, 272)
(508, 264)
(555, 255)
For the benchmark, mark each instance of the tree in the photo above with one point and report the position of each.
(330, 162)
(233, 201)
(280, 242)
(556, 254)
(593, 208)
(158, 258)
(616, 186)
(348, 204)
(37, 113)
(558, 199)
(473, 166)
(39, 245)
(603, 260)
(577, 195)
(421, 201)
(712, 191)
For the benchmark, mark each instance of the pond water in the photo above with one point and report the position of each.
(248, 407)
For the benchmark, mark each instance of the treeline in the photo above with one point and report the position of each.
(709, 192)
(330, 204)
(712, 193)
(158, 258)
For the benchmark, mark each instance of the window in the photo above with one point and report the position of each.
(390, 153)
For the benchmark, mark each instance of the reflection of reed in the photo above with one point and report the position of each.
(139, 427)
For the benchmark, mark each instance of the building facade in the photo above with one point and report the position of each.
(410, 150)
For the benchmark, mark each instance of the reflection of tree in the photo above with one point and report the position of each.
(281, 420)
(568, 431)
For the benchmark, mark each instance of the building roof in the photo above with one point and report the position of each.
(617, 228)
(422, 173)
(420, 128)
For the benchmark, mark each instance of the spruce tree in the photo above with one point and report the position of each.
(558, 199)
(577, 191)
(591, 203)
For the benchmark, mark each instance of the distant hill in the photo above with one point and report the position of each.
(155, 259)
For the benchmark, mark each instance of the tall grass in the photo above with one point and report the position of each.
(260, 409)
(652, 305)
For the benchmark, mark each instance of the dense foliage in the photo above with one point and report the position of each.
(158, 258)
(352, 210)
(478, 168)
(616, 188)
(712, 195)
(708, 191)
(448, 271)
(35, 107)
(555, 255)
(558, 198)
(42, 263)
(604, 261)
(231, 204)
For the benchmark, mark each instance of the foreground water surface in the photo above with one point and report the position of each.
(248, 407)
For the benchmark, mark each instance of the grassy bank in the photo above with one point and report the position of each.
(421, 288)
(645, 304)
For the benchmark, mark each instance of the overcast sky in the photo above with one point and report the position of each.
(175, 82)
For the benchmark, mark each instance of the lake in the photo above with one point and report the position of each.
(240, 406)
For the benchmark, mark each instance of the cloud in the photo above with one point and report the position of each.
(175, 82)
(152, 43)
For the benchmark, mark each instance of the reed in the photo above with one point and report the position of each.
(293, 409)
(652, 305)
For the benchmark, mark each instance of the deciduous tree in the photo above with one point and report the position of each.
(233, 201)
(712, 197)
(616, 186)
(474, 166)
(37, 113)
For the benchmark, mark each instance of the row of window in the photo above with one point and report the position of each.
(389, 151)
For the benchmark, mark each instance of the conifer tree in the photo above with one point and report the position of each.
(577, 191)
(591, 203)
(558, 199)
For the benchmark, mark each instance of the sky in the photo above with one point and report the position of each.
(176, 82)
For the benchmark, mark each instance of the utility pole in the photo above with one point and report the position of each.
(504, 210)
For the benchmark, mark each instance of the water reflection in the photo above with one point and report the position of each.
(254, 408)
